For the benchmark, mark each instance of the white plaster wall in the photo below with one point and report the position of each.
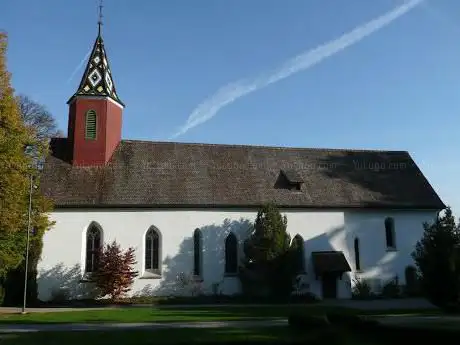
(377, 262)
(64, 246)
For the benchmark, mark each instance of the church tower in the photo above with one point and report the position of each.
(95, 111)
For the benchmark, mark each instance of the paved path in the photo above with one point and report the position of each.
(16, 328)
(409, 303)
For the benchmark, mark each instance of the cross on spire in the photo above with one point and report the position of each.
(99, 23)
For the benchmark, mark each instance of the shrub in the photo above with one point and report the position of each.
(354, 322)
(189, 284)
(361, 289)
(304, 297)
(304, 322)
(215, 287)
(451, 308)
(59, 296)
(338, 318)
(391, 289)
(2, 294)
(412, 288)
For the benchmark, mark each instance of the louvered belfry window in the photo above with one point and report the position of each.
(91, 125)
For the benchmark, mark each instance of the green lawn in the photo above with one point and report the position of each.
(159, 314)
(274, 335)
(151, 314)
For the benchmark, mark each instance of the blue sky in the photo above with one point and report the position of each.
(396, 89)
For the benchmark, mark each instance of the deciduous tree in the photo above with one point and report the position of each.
(14, 171)
(38, 119)
(115, 273)
(16, 167)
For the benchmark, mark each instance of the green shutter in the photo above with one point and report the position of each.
(90, 130)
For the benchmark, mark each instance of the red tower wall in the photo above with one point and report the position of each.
(86, 152)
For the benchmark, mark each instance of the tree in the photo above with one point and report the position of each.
(437, 261)
(267, 255)
(115, 274)
(15, 169)
(38, 119)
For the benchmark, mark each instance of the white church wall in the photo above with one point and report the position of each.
(380, 264)
(63, 254)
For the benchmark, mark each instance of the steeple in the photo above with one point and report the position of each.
(95, 111)
(97, 79)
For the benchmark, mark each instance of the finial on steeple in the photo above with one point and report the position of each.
(99, 23)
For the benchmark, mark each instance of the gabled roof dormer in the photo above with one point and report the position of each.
(289, 179)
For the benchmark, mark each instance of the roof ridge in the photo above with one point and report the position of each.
(265, 146)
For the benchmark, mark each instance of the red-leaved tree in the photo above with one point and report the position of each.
(115, 274)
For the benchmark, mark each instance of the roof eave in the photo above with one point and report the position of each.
(250, 206)
(75, 96)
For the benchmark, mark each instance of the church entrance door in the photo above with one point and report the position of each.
(329, 285)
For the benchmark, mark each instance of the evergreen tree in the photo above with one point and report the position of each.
(266, 268)
(437, 260)
(16, 167)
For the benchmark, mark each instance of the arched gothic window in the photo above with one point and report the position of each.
(390, 233)
(357, 258)
(153, 251)
(231, 254)
(93, 247)
(197, 252)
(297, 246)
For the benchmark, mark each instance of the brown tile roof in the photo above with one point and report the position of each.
(329, 261)
(157, 174)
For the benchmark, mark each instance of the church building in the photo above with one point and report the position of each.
(186, 207)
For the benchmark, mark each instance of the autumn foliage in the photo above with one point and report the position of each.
(115, 273)
(15, 169)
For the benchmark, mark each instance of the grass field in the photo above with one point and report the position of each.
(193, 336)
(190, 314)
(274, 335)
(247, 336)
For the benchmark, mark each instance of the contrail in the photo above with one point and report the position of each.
(79, 66)
(231, 92)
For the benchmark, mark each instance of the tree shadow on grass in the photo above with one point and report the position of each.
(136, 315)
(273, 335)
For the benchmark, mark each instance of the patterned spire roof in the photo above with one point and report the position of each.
(97, 79)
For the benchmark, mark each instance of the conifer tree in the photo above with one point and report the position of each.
(437, 258)
(267, 263)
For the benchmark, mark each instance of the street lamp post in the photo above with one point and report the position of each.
(36, 167)
(31, 181)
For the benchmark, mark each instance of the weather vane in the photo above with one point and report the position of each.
(99, 23)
